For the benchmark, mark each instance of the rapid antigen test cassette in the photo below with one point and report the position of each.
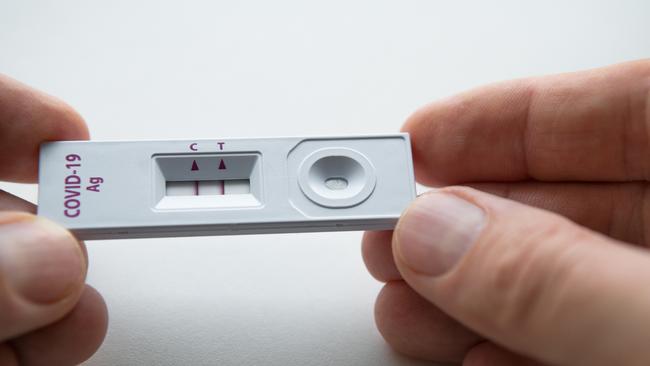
(130, 189)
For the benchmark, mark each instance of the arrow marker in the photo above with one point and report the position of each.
(222, 165)
(195, 166)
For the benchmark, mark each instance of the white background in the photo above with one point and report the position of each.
(187, 69)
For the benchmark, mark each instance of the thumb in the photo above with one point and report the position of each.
(42, 270)
(527, 279)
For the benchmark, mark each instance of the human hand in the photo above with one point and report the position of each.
(48, 316)
(476, 279)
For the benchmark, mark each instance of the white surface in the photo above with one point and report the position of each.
(153, 69)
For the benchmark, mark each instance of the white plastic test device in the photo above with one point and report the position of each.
(137, 189)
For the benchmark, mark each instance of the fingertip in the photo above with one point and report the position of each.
(42, 269)
(467, 136)
(394, 317)
(422, 128)
(41, 261)
(29, 117)
(60, 122)
(435, 232)
(67, 123)
(413, 326)
(91, 314)
(378, 255)
(70, 341)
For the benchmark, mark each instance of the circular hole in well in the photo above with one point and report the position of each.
(336, 183)
(336, 177)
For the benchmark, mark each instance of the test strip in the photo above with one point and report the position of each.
(237, 186)
(131, 189)
(182, 188)
(211, 188)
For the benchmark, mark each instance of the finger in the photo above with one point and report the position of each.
(42, 270)
(28, 118)
(9, 202)
(614, 209)
(378, 255)
(489, 354)
(618, 210)
(583, 126)
(71, 340)
(415, 327)
(527, 279)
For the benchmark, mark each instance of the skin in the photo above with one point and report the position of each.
(56, 319)
(558, 275)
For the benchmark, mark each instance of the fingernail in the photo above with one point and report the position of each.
(436, 231)
(39, 260)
